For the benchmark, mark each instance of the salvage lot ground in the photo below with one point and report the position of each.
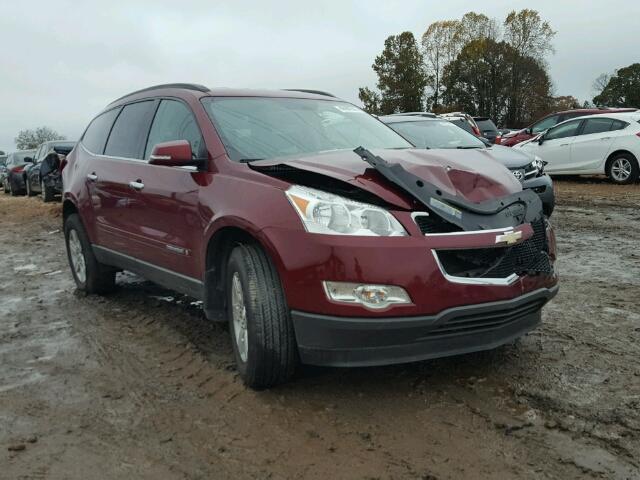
(139, 385)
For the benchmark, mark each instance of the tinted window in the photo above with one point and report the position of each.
(597, 125)
(268, 127)
(463, 124)
(568, 129)
(545, 124)
(174, 121)
(486, 125)
(619, 125)
(96, 135)
(129, 133)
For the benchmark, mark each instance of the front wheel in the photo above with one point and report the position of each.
(47, 192)
(261, 329)
(90, 275)
(623, 169)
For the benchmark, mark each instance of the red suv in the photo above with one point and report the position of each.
(545, 123)
(323, 234)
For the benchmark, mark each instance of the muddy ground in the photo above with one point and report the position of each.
(139, 385)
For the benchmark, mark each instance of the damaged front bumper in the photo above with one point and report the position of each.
(356, 342)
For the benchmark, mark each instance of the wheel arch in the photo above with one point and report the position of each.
(613, 155)
(221, 242)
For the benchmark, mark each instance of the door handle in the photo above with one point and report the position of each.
(92, 176)
(137, 185)
(605, 138)
(564, 145)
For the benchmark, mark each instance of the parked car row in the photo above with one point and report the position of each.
(29, 172)
(325, 236)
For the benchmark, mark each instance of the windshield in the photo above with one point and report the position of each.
(266, 127)
(18, 157)
(436, 134)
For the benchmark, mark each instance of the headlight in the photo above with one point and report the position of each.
(326, 213)
(538, 165)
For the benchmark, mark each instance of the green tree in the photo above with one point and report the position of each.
(370, 100)
(30, 139)
(492, 78)
(622, 88)
(401, 75)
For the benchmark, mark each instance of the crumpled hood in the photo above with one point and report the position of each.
(470, 174)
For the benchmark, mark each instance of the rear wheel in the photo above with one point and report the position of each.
(47, 192)
(623, 169)
(259, 321)
(90, 275)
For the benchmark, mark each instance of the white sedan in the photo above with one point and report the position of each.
(595, 144)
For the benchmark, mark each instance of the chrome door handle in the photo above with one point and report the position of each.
(92, 176)
(137, 185)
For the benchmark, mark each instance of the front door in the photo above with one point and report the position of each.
(556, 146)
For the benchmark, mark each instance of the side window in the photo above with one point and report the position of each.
(619, 125)
(545, 124)
(565, 130)
(174, 121)
(96, 135)
(596, 125)
(130, 130)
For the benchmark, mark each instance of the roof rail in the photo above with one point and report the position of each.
(186, 86)
(306, 90)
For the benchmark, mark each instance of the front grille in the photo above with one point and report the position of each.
(432, 224)
(479, 322)
(530, 257)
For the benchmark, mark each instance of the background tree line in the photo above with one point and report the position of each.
(483, 67)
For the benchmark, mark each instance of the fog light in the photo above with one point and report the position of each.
(369, 296)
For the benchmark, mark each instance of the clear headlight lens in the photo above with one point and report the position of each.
(326, 213)
(370, 296)
(538, 164)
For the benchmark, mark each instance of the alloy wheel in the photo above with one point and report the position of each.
(621, 169)
(239, 312)
(77, 257)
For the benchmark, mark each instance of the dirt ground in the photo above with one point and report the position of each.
(139, 385)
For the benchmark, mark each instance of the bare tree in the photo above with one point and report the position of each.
(30, 139)
(440, 46)
(529, 34)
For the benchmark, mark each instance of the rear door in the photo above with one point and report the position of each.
(592, 145)
(121, 163)
(169, 223)
(556, 147)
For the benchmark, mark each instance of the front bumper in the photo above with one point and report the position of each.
(543, 186)
(341, 342)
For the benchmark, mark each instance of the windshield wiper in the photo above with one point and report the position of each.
(249, 160)
(467, 147)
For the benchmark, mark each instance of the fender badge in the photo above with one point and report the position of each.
(509, 237)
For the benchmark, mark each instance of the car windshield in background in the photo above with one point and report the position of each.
(18, 157)
(436, 134)
(266, 127)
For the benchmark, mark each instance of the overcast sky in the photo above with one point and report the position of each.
(62, 61)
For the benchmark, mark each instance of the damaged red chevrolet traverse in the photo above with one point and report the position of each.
(324, 235)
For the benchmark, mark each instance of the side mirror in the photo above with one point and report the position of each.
(541, 140)
(28, 159)
(486, 141)
(177, 153)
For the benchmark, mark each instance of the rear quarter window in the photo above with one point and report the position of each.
(95, 136)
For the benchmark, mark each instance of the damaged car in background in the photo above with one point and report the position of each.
(324, 236)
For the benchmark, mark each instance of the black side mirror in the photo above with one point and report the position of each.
(541, 140)
(28, 159)
(485, 141)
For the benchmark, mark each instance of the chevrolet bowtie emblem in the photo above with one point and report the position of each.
(509, 237)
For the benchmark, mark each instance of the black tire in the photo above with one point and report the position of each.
(13, 191)
(47, 193)
(271, 354)
(627, 159)
(99, 278)
(30, 193)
